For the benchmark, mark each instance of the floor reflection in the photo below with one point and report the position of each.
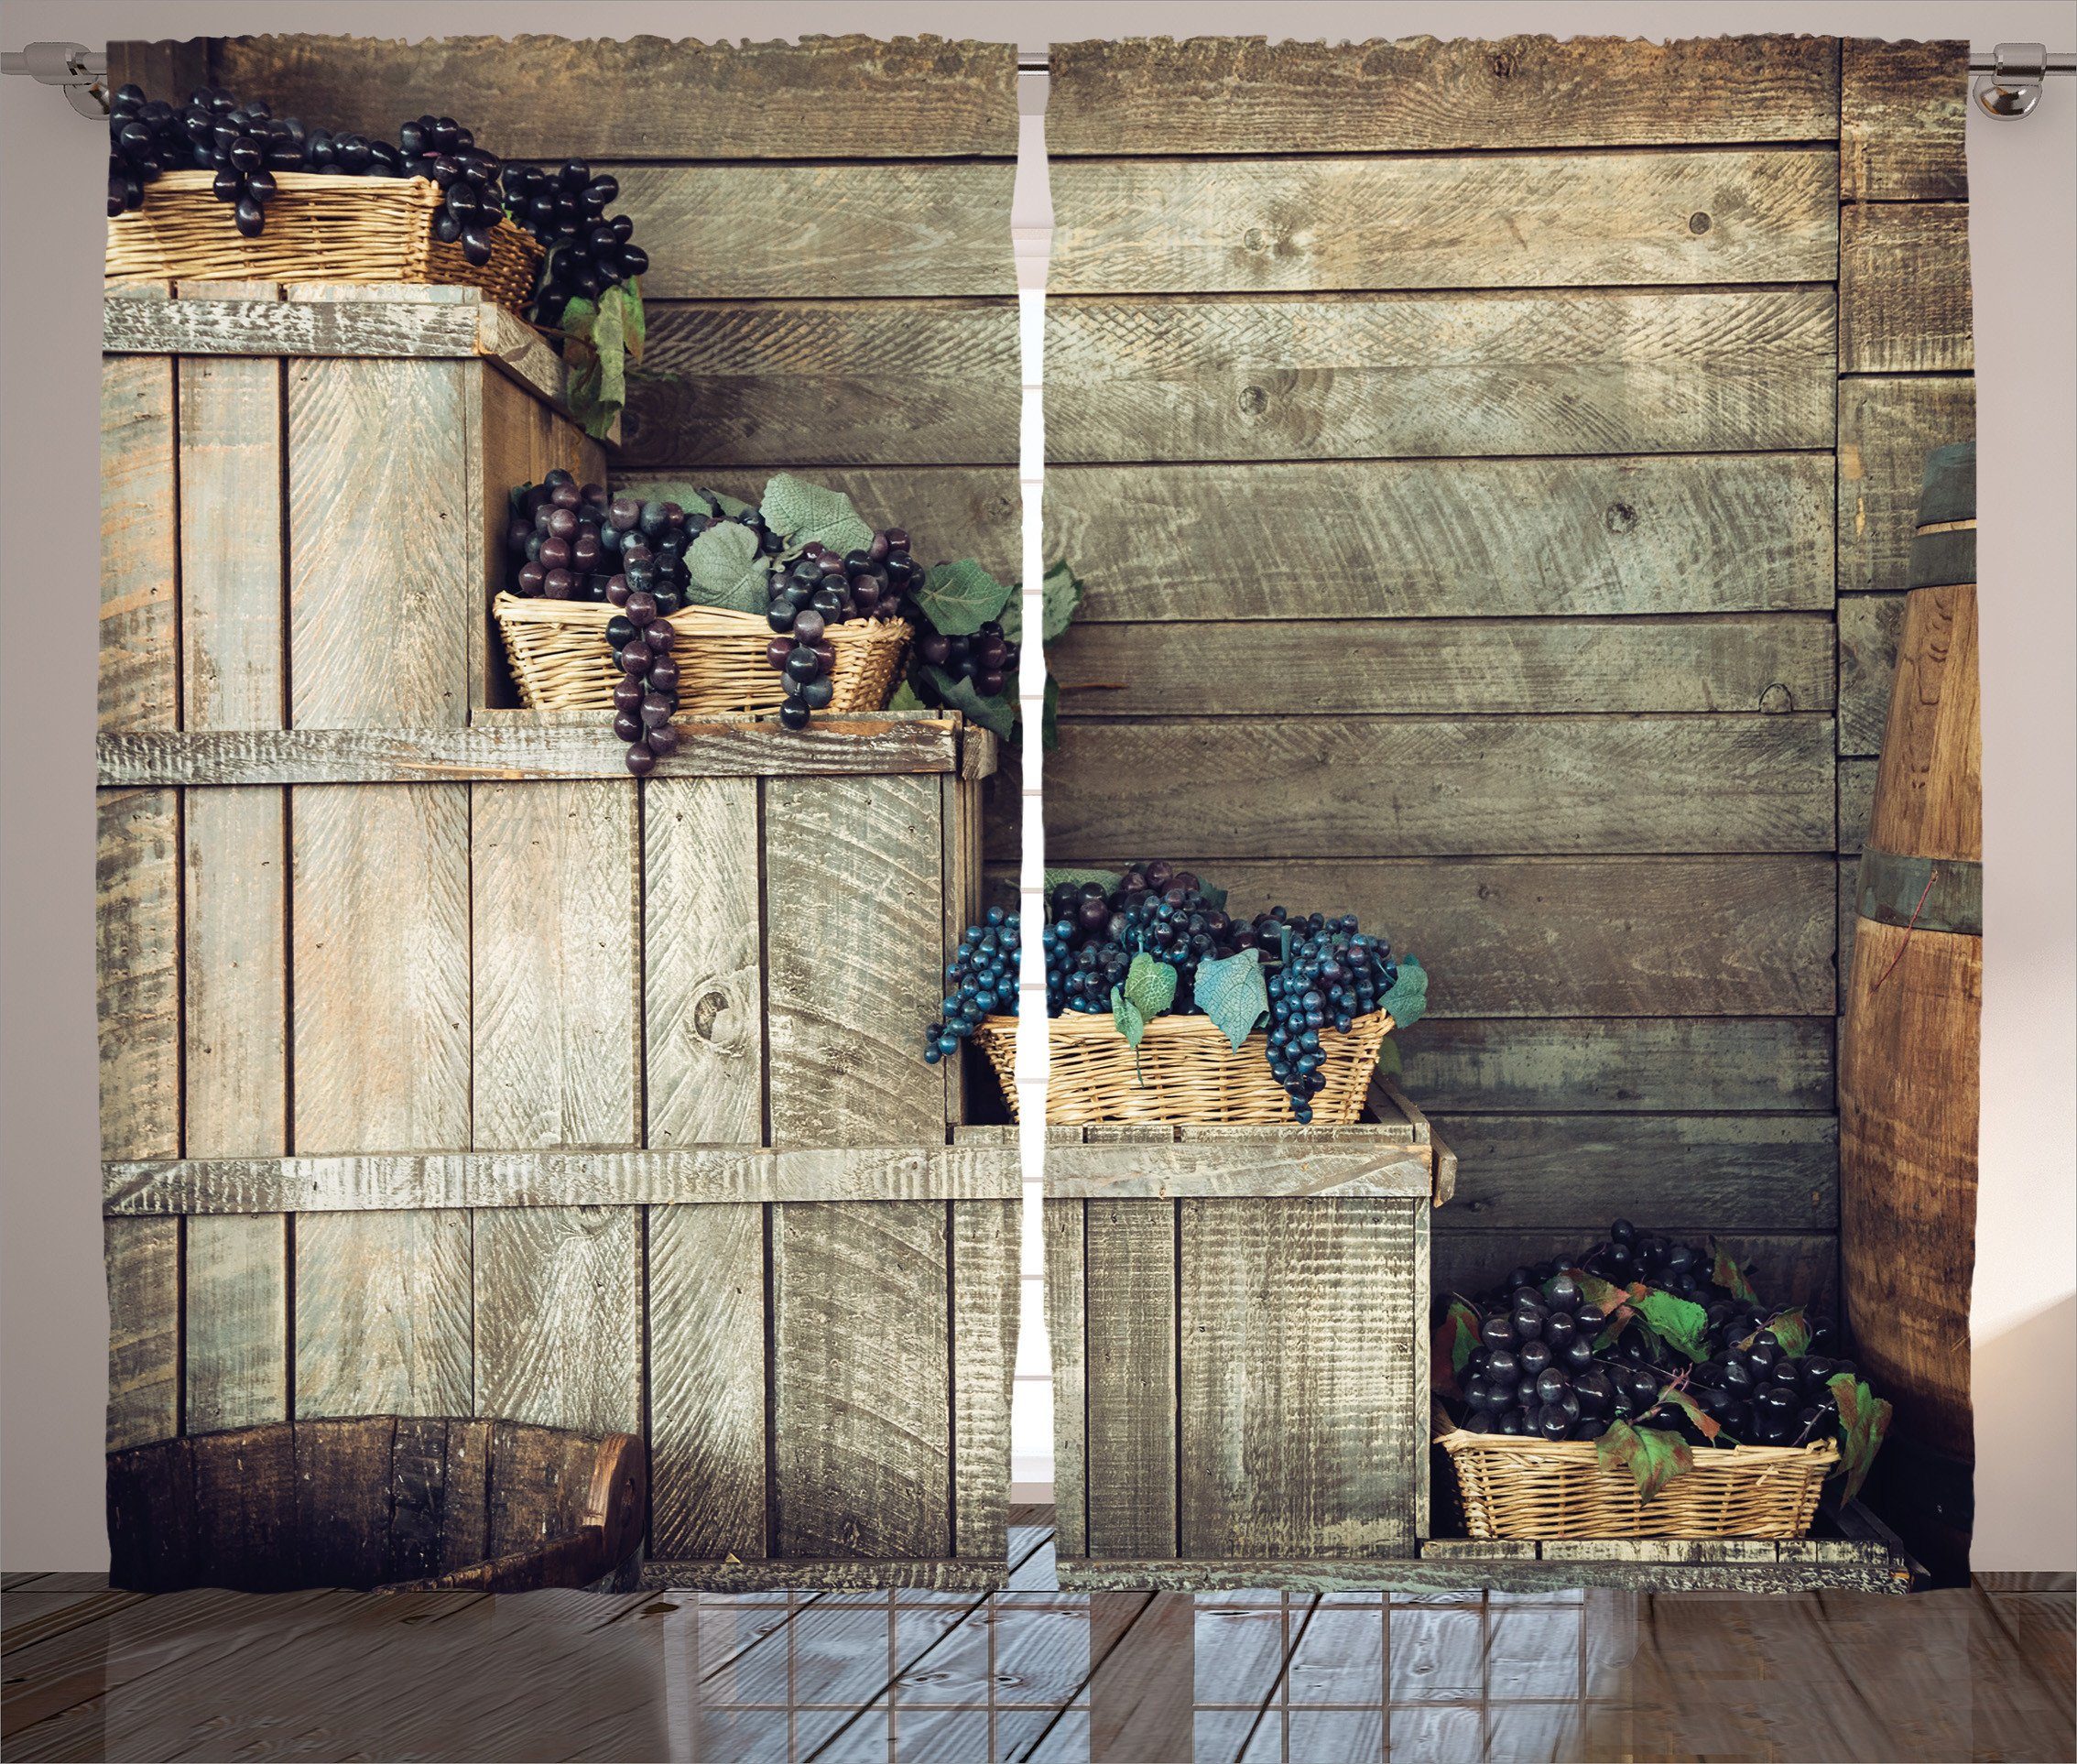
(1036, 1674)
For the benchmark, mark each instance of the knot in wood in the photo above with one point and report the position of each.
(1620, 518)
(1254, 400)
(1254, 239)
(1777, 697)
(1502, 65)
(707, 1012)
(1698, 222)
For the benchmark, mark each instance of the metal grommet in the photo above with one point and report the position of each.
(2013, 87)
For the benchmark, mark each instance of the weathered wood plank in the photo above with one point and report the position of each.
(1252, 1163)
(1486, 219)
(1787, 1269)
(383, 1321)
(1694, 1173)
(550, 97)
(794, 383)
(1298, 1428)
(841, 1576)
(1771, 662)
(357, 324)
(164, 69)
(1856, 801)
(1675, 1063)
(1886, 427)
(1063, 1223)
(1904, 305)
(1497, 1571)
(1130, 1323)
(1415, 538)
(1243, 95)
(1869, 625)
(1695, 936)
(1438, 375)
(142, 1257)
(707, 1376)
(855, 231)
(854, 951)
(137, 958)
(950, 511)
(559, 1316)
(556, 939)
(702, 963)
(1419, 786)
(1901, 110)
(696, 1175)
(500, 749)
(862, 1410)
(140, 673)
(984, 1305)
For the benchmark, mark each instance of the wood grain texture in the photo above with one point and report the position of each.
(715, 1175)
(139, 669)
(1886, 427)
(1444, 666)
(1856, 802)
(235, 1300)
(862, 1398)
(1241, 94)
(138, 959)
(1488, 219)
(142, 1257)
(556, 942)
(859, 230)
(1064, 1228)
(706, 1301)
(986, 1292)
(1788, 1268)
(1414, 538)
(559, 1316)
(505, 747)
(1904, 305)
(1130, 1286)
(1417, 787)
(1930, 794)
(378, 605)
(1297, 1431)
(1610, 1064)
(1901, 110)
(851, 976)
(797, 383)
(703, 953)
(1684, 1172)
(794, 1573)
(1438, 375)
(1868, 628)
(383, 1313)
(1290, 1164)
(1641, 937)
(648, 97)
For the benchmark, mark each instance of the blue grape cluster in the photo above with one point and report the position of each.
(1333, 974)
(1093, 933)
(981, 981)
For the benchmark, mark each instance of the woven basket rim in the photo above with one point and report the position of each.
(541, 609)
(1168, 1027)
(1739, 1457)
(422, 191)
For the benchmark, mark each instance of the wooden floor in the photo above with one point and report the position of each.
(1035, 1673)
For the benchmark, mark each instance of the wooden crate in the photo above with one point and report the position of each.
(446, 1069)
(1239, 1333)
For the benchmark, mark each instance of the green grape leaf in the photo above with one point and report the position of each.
(1388, 1061)
(1455, 1338)
(1131, 1021)
(1679, 1321)
(1233, 993)
(958, 599)
(1792, 1329)
(1727, 1274)
(1060, 599)
(1150, 983)
(904, 699)
(958, 693)
(1863, 1420)
(635, 319)
(727, 570)
(1050, 722)
(595, 357)
(1060, 879)
(1653, 1456)
(799, 512)
(1705, 1422)
(1408, 999)
(1214, 895)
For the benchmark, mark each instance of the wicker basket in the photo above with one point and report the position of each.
(319, 228)
(561, 662)
(1185, 1071)
(1525, 1489)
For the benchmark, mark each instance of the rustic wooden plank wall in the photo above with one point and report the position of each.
(1490, 464)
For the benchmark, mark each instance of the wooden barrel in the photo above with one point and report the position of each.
(1907, 1071)
(400, 1503)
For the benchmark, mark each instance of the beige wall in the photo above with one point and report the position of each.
(52, 1323)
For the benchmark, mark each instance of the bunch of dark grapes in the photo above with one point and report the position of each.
(587, 250)
(1155, 910)
(1332, 974)
(981, 981)
(439, 148)
(987, 658)
(817, 590)
(1540, 1368)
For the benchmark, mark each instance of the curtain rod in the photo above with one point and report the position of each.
(2010, 78)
